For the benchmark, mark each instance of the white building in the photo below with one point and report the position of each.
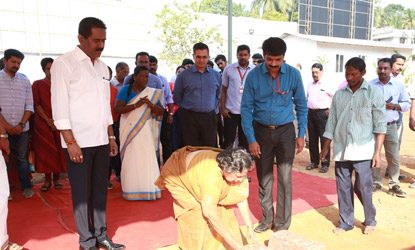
(333, 53)
(394, 36)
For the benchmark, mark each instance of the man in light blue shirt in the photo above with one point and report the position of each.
(357, 126)
(397, 100)
(233, 82)
(267, 114)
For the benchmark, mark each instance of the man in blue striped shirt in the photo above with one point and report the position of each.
(16, 103)
(357, 126)
(267, 114)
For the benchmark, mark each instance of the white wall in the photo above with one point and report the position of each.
(305, 52)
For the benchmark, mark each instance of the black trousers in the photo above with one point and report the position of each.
(278, 143)
(89, 182)
(221, 131)
(231, 125)
(166, 137)
(317, 120)
(199, 129)
(115, 161)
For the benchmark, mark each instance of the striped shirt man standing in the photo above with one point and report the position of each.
(357, 126)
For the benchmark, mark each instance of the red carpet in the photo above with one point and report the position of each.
(45, 221)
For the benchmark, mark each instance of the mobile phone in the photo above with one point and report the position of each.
(389, 99)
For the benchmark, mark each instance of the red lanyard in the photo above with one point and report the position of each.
(278, 90)
(242, 76)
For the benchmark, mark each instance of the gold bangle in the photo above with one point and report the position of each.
(112, 137)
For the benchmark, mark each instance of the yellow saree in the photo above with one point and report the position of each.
(201, 179)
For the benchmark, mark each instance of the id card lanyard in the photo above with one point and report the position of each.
(278, 90)
(241, 88)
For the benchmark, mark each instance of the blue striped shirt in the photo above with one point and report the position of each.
(261, 102)
(15, 97)
(354, 120)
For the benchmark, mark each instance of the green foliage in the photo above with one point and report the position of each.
(219, 7)
(394, 15)
(181, 29)
(269, 9)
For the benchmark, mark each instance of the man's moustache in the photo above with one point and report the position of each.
(100, 49)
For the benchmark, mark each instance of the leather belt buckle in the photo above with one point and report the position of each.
(272, 127)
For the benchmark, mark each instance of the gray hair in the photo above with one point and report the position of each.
(233, 160)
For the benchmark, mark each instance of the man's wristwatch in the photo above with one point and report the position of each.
(22, 124)
(112, 137)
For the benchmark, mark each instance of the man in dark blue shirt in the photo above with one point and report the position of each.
(267, 113)
(197, 91)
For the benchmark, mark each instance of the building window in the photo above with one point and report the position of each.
(413, 40)
(339, 63)
(402, 40)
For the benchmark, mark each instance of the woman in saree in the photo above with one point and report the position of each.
(141, 110)
(46, 141)
(205, 184)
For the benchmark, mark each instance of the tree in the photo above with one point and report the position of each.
(219, 7)
(409, 19)
(392, 14)
(287, 8)
(181, 29)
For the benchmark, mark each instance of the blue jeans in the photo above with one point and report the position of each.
(19, 146)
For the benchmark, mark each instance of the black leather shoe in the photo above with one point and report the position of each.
(109, 245)
(88, 248)
(262, 227)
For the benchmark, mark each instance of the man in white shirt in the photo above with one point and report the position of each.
(319, 97)
(81, 112)
(233, 82)
(398, 62)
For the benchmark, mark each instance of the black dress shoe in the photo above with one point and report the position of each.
(88, 248)
(109, 245)
(262, 227)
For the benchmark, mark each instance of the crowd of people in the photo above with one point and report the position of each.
(155, 134)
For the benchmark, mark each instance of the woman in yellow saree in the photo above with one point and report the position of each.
(141, 111)
(205, 183)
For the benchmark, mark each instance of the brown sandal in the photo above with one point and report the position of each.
(45, 187)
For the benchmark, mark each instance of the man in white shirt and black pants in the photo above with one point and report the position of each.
(319, 97)
(81, 112)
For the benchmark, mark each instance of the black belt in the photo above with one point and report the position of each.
(392, 122)
(317, 110)
(272, 126)
(200, 113)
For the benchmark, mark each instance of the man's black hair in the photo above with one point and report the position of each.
(45, 62)
(220, 57)
(13, 52)
(243, 47)
(87, 24)
(357, 63)
(274, 46)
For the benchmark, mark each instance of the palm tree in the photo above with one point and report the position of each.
(409, 19)
(286, 7)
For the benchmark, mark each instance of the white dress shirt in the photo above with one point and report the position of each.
(81, 98)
